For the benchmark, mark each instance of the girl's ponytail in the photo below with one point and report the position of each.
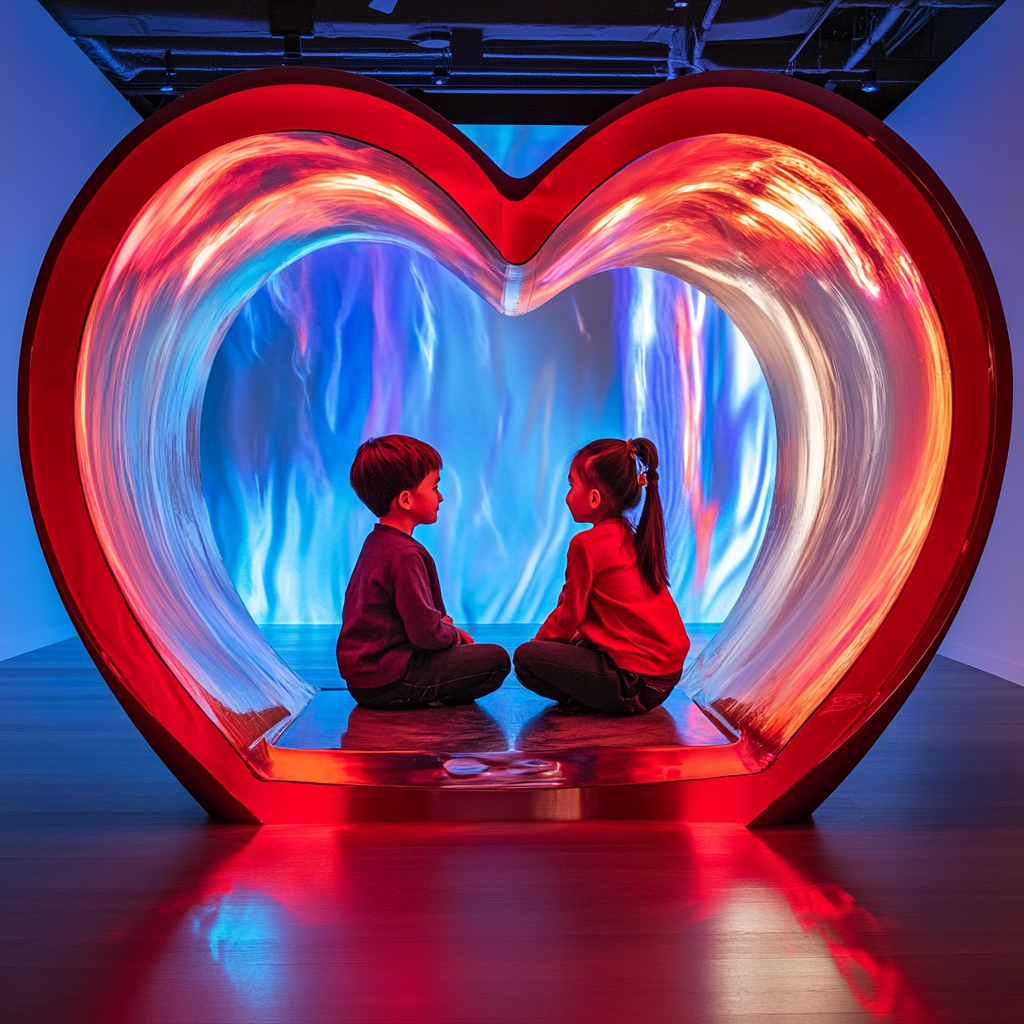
(650, 531)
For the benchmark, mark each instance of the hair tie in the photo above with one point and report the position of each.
(641, 475)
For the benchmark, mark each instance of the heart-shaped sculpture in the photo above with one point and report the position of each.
(843, 260)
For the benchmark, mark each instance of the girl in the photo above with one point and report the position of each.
(615, 642)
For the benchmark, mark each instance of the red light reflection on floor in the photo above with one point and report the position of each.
(509, 924)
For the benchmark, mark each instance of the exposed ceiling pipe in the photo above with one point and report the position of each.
(876, 34)
(106, 59)
(910, 28)
(818, 22)
(701, 35)
(678, 52)
(683, 56)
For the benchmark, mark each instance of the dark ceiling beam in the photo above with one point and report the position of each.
(950, 5)
(533, 48)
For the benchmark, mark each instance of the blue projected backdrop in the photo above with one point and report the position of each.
(364, 339)
(519, 149)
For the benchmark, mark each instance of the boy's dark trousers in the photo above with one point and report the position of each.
(457, 675)
(579, 674)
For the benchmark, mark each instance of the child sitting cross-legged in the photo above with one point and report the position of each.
(615, 643)
(398, 647)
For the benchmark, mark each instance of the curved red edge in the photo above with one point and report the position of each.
(827, 747)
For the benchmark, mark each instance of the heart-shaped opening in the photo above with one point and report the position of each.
(822, 288)
(365, 339)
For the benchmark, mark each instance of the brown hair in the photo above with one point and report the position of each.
(620, 470)
(386, 466)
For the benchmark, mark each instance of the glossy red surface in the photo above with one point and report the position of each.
(902, 901)
(255, 784)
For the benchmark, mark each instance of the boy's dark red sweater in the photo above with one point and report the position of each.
(393, 607)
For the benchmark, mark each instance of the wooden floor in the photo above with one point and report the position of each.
(122, 903)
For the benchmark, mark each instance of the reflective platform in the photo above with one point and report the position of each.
(511, 738)
(511, 720)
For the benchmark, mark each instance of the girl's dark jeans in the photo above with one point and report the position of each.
(580, 672)
(457, 675)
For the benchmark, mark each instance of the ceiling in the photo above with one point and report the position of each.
(522, 61)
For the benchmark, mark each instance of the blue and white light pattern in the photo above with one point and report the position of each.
(365, 339)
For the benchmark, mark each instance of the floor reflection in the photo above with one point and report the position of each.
(467, 729)
(121, 905)
(552, 730)
(502, 924)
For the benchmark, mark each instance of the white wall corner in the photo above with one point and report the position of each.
(966, 120)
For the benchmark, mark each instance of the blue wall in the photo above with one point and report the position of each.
(967, 121)
(58, 118)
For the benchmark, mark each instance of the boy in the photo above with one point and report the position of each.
(398, 647)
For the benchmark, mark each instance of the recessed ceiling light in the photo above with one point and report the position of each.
(435, 39)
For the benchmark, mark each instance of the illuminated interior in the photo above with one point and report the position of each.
(364, 339)
(808, 271)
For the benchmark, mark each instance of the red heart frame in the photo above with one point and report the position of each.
(518, 216)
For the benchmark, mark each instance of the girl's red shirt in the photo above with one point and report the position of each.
(607, 600)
